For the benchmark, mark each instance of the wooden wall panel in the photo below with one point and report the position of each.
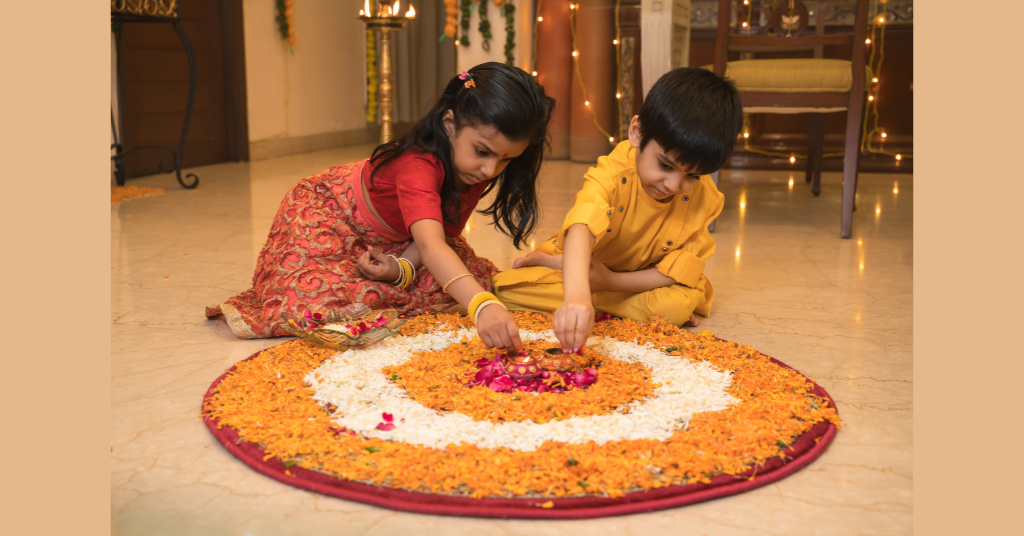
(155, 81)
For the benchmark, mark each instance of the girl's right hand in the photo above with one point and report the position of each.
(573, 321)
(497, 329)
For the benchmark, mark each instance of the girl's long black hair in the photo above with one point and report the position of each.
(508, 99)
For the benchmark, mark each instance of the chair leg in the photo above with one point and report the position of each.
(714, 177)
(851, 157)
(815, 150)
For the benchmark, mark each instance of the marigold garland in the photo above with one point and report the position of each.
(485, 26)
(467, 11)
(371, 76)
(509, 12)
(451, 17)
(437, 381)
(266, 400)
(285, 23)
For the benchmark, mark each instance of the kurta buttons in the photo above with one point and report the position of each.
(669, 242)
(623, 180)
(609, 229)
(664, 249)
(609, 213)
(686, 198)
(621, 209)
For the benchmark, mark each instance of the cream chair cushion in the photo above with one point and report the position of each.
(793, 75)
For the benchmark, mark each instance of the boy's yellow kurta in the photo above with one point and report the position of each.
(632, 232)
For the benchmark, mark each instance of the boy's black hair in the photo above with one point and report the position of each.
(508, 99)
(695, 115)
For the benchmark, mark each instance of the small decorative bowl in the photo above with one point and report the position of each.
(555, 360)
(523, 368)
(376, 326)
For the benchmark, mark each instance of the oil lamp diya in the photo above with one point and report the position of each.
(386, 18)
(555, 360)
(523, 367)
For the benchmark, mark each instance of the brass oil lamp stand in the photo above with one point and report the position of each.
(386, 19)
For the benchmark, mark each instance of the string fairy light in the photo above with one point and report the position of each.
(579, 77)
(536, 24)
(877, 24)
(576, 66)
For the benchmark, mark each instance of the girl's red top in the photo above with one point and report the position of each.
(408, 190)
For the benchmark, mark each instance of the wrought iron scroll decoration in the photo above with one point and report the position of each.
(147, 8)
(148, 11)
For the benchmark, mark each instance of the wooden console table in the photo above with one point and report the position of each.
(166, 11)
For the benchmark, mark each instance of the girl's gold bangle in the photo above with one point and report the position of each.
(454, 279)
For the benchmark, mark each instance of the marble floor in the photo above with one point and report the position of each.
(838, 310)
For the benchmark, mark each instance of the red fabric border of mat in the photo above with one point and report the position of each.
(802, 452)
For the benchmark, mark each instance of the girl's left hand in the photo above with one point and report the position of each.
(376, 266)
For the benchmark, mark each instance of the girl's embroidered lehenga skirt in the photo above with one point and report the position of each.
(309, 261)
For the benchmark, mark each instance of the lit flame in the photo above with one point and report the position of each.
(366, 8)
(411, 14)
(361, 12)
(395, 10)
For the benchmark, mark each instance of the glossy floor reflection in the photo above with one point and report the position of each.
(838, 310)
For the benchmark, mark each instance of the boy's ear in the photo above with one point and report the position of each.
(448, 119)
(634, 132)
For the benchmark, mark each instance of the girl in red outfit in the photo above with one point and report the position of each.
(386, 232)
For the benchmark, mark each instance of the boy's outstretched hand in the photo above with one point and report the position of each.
(497, 329)
(573, 321)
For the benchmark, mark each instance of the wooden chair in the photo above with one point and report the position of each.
(805, 85)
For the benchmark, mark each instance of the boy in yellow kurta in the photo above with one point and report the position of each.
(636, 241)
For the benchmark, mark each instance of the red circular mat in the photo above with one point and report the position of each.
(803, 451)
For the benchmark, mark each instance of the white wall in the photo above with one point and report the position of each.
(317, 90)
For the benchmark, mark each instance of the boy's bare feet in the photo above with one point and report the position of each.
(693, 322)
(536, 258)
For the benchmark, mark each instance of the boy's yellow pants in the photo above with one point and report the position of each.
(539, 289)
